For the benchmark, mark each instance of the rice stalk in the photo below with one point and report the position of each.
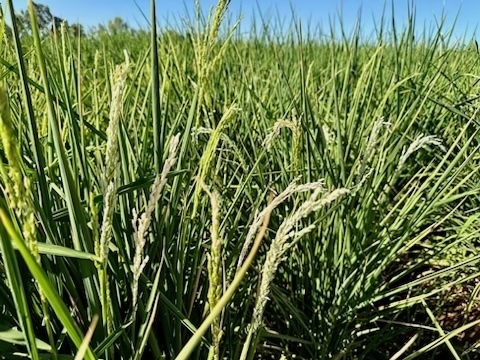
(18, 193)
(295, 126)
(275, 254)
(370, 149)
(142, 224)
(215, 271)
(420, 142)
(207, 156)
(110, 198)
(225, 138)
(291, 189)
(229, 292)
(205, 61)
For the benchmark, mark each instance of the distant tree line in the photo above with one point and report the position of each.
(48, 22)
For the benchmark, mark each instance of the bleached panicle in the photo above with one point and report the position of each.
(362, 173)
(142, 224)
(274, 132)
(295, 126)
(111, 156)
(258, 219)
(281, 243)
(328, 134)
(362, 180)
(207, 131)
(326, 200)
(200, 130)
(420, 142)
(225, 139)
(106, 233)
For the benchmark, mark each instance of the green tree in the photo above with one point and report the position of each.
(77, 30)
(43, 14)
(46, 21)
(56, 24)
(118, 26)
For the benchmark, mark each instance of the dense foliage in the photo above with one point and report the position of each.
(342, 175)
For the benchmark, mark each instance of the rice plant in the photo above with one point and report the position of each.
(199, 193)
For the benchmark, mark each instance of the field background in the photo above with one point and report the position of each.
(141, 169)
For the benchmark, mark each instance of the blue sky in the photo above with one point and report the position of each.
(318, 12)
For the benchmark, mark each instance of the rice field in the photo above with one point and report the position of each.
(199, 193)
